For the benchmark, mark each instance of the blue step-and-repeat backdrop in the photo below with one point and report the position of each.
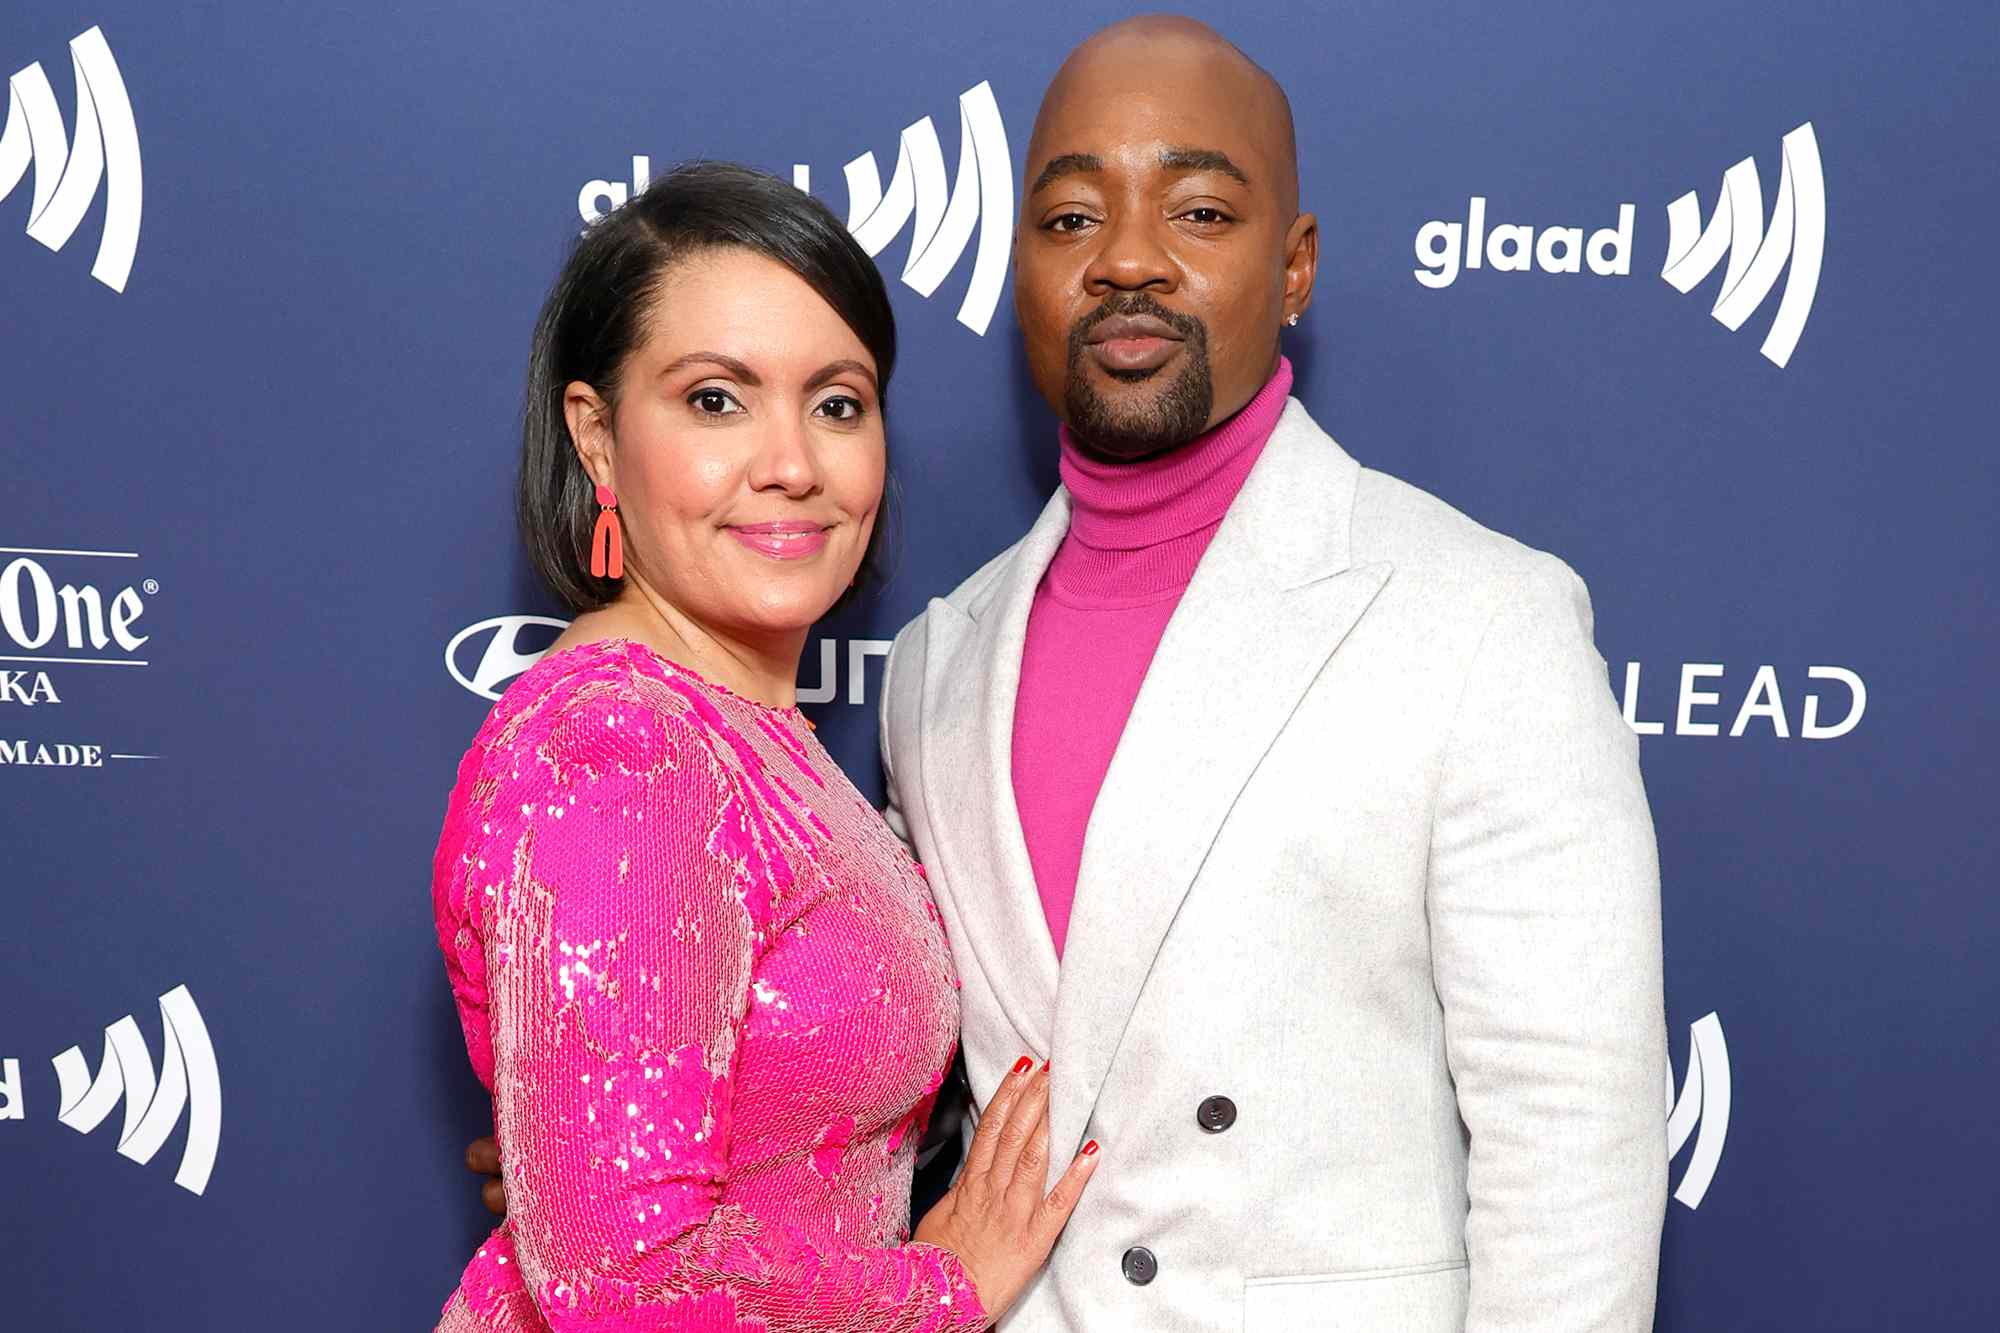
(1699, 296)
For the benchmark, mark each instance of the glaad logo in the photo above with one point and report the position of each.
(106, 148)
(498, 645)
(1797, 234)
(983, 196)
(1513, 248)
(187, 1081)
(1704, 1100)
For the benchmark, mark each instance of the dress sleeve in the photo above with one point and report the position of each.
(629, 901)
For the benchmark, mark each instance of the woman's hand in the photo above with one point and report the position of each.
(995, 1217)
(482, 1158)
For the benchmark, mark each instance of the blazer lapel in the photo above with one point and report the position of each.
(1272, 599)
(972, 672)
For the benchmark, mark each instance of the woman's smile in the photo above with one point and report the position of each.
(785, 539)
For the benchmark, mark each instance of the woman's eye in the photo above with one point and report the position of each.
(713, 402)
(840, 408)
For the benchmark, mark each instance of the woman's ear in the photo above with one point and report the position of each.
(589, 419)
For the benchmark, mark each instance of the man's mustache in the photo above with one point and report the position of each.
(1136, 303)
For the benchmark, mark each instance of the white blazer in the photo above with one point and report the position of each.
(1372, 862)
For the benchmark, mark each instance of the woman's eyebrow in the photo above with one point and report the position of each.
(833, 370)
(736, 369)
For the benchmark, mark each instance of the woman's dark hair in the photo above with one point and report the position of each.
(596, 316)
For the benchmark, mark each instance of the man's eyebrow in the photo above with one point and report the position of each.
(833, 370)
(1069, 164)
(736, 369)
(1201, 159)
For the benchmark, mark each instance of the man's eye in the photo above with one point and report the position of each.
(840, 408)
(1205, 216)
(1067, 222)
(713, 402)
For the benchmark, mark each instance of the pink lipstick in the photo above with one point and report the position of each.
(789, 539)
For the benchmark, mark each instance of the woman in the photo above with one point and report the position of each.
(706, 985)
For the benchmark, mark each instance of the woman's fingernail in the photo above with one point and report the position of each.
(1045, 1066)
(1021, 1065)
(1090, 1148)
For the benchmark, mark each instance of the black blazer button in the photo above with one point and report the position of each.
(1140, 1266)
(1215, 1114)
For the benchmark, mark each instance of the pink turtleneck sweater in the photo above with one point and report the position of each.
(1136, 533)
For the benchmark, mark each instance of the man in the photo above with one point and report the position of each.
(1285, 810)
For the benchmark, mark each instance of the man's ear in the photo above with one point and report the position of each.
(589, 419)
(1301, 263)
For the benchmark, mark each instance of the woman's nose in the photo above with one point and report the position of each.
(784, 461)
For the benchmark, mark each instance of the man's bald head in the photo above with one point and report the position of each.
(1174, 50)
(1161, 246)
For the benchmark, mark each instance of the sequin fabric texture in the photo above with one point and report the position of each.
(713, 1000)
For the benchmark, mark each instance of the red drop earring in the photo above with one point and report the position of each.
(607, 544)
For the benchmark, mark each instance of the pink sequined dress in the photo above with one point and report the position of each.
(713, 1000)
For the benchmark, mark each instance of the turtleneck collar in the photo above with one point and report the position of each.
(1137, 530)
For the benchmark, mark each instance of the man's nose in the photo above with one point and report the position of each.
(1132, 256)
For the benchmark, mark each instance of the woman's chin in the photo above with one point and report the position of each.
(790, 614)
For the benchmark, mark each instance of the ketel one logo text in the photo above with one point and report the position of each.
(56, 613)
(980, 199)
(1795, 240)
(68, 170)
(186, 1084)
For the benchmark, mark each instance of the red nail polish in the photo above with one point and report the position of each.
(1021, 1065)
(1045, 1066)
(1090, 1148)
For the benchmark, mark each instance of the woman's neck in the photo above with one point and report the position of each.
(763, 667)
